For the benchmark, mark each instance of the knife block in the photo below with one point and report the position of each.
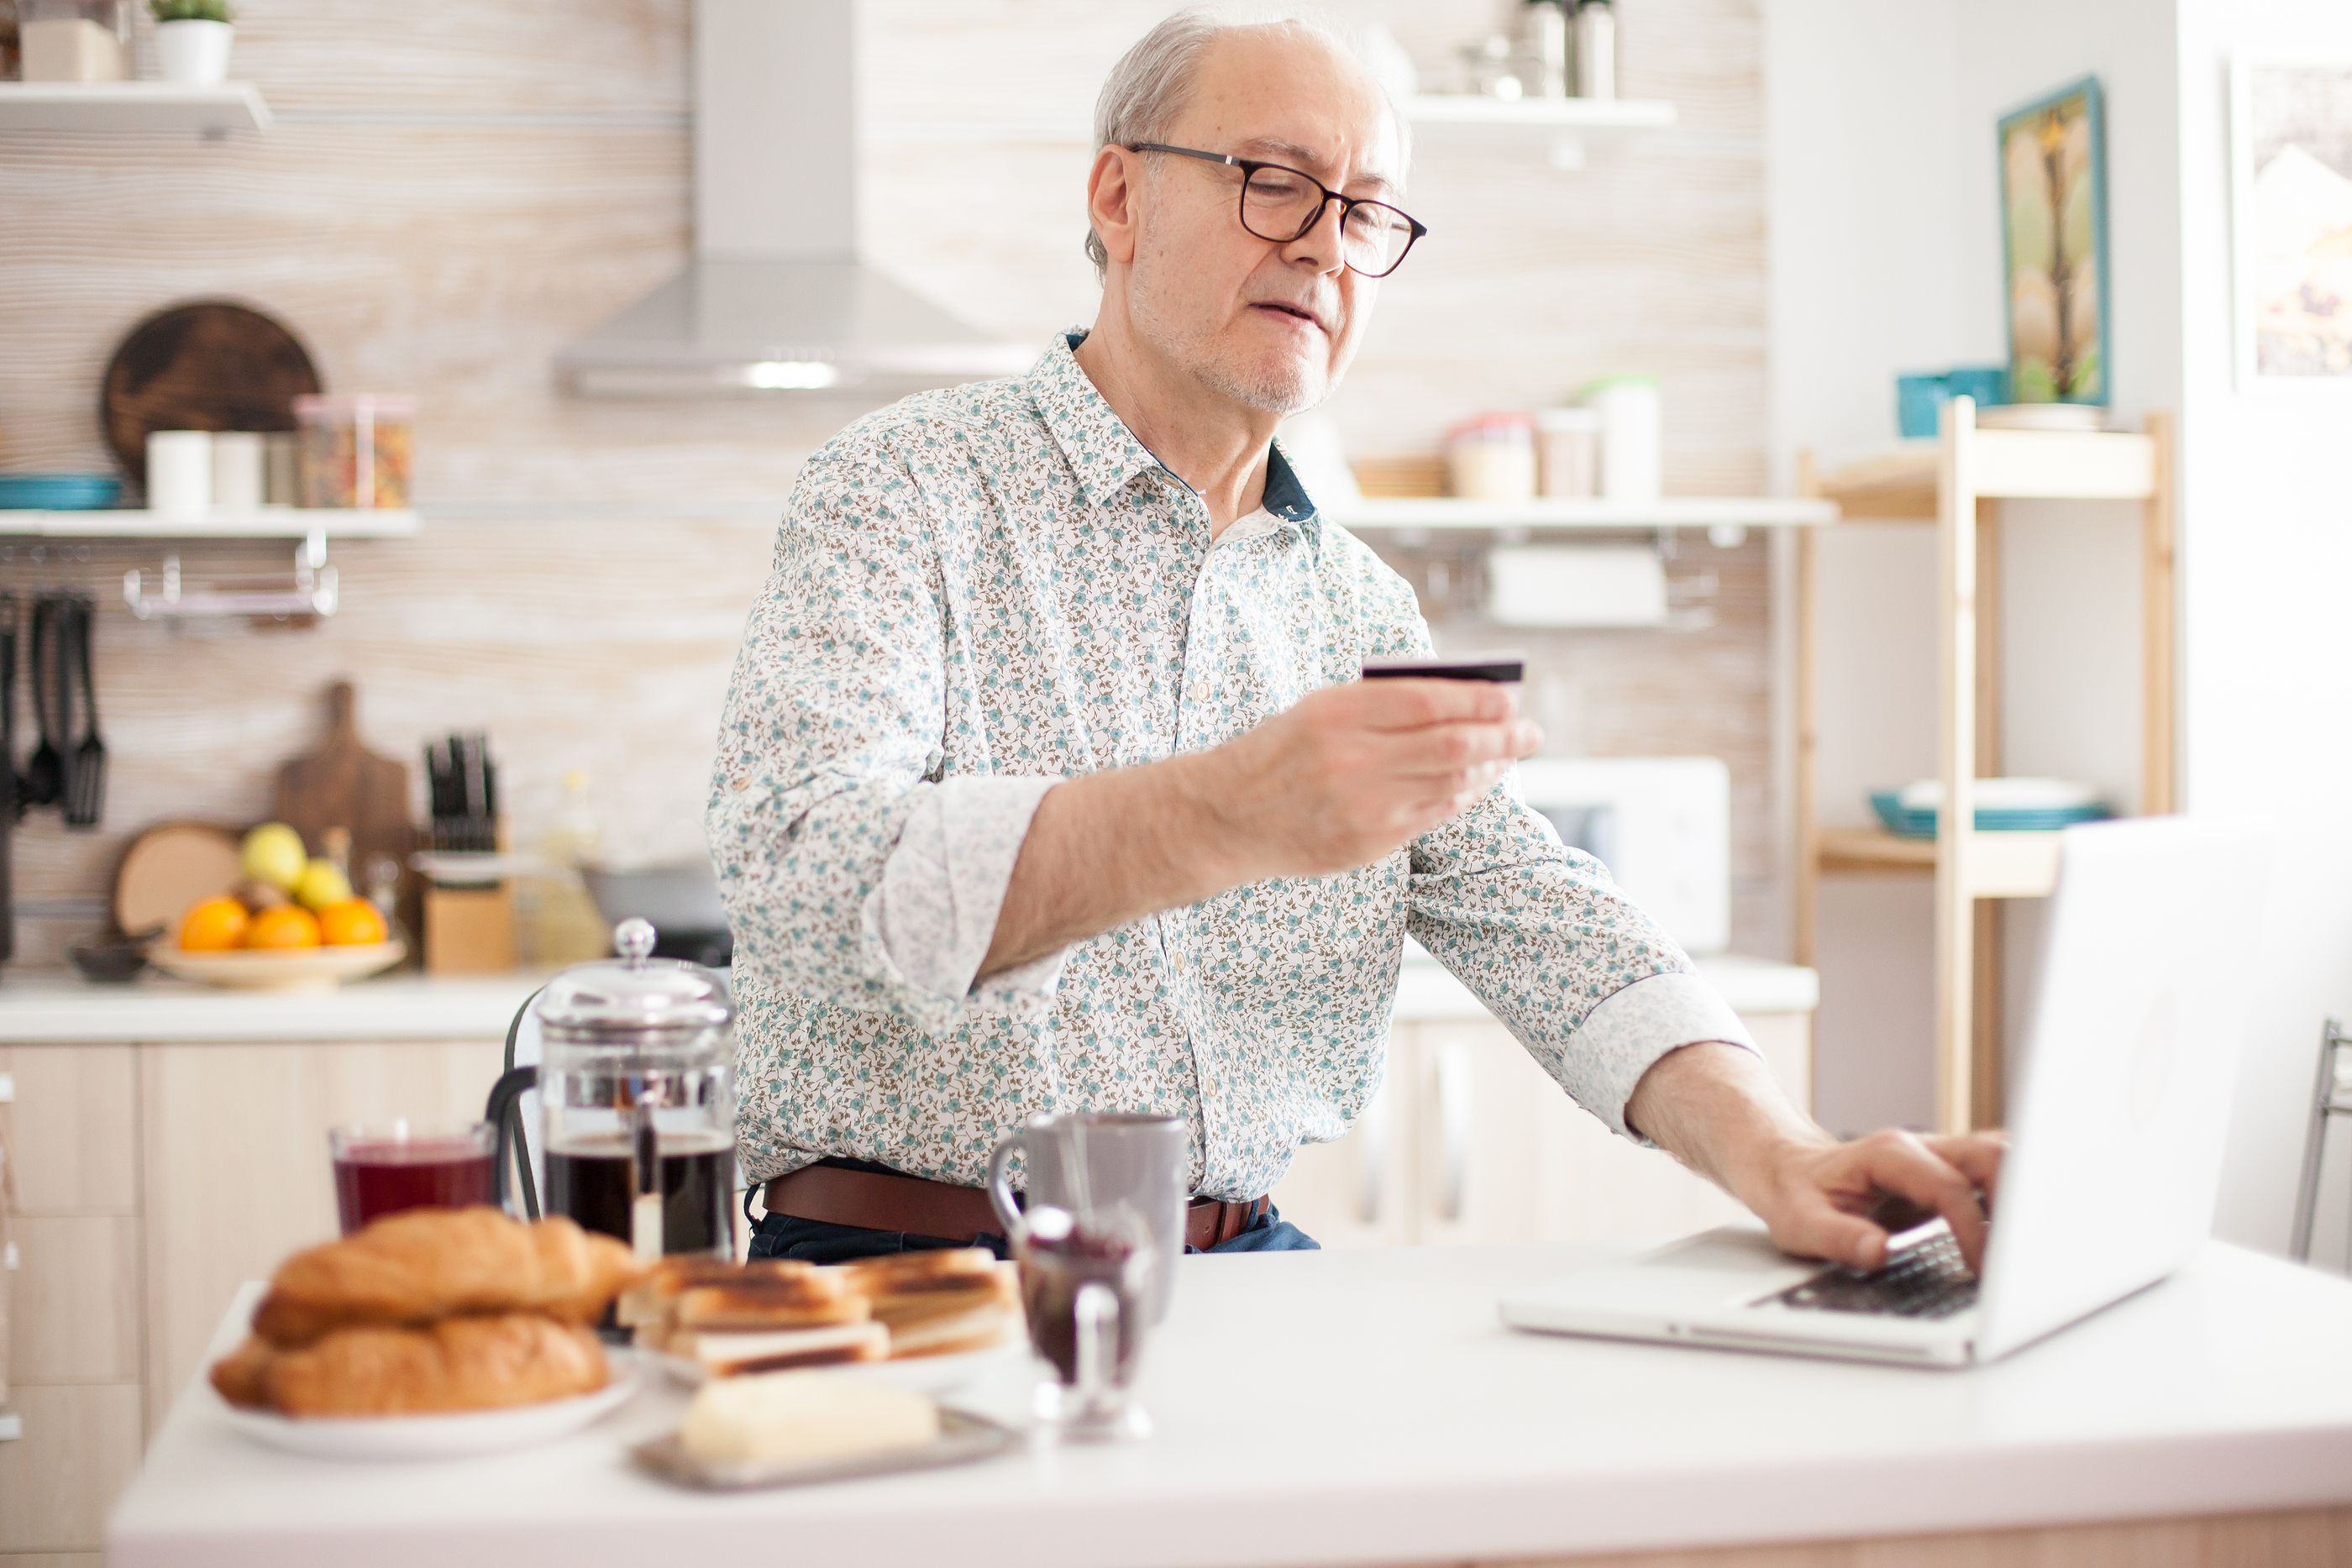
(470, 930)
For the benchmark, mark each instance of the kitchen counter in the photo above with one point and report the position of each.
(58, 1007)
(1368, 1408)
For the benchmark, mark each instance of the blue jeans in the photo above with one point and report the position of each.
(819, 1242)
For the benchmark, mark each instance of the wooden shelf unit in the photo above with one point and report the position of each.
(1958, 482)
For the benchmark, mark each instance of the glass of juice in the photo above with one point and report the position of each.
(382, 1168)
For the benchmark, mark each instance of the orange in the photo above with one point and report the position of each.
(350, 922)
(292, 926)
(215, 925)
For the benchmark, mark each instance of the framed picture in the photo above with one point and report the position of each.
(2291, 210)
(2053, 234)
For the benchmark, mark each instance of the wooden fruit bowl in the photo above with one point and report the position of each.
(280, 969)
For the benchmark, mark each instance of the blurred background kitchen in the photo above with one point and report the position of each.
(1610, 414)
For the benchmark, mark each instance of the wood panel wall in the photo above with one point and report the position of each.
(454, 192)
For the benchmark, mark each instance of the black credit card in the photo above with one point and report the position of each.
(1502, 668)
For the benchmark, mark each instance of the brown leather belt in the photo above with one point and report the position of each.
(876, 1200)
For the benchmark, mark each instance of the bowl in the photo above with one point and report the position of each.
(113, 962)
(280, 969)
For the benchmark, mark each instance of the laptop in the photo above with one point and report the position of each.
(2121, 1104)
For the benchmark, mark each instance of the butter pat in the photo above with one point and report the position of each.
(799, 1418)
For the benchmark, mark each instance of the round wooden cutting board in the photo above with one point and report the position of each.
(209, 365)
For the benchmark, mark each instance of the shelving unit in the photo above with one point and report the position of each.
(271, 523)
(313, 592)
(1958, 482)
(1565, 124)
(133, 105)
(1539, 113)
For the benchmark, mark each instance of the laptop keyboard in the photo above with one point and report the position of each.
(1928, 1280)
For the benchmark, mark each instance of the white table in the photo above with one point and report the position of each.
(1368, 1408)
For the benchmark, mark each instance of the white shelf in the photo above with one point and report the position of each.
(1579, 516)
(1539, 113)
(133, 105)
(272, 523)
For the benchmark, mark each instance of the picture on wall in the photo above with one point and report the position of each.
(2053, 207)
(2291, 204)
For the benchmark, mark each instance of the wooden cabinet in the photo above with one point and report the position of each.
(237, 1175)
(1469, 1140)
(151, 1181)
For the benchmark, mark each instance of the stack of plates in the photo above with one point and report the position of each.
(2069, 416)
(58, 492)
(2003, 806)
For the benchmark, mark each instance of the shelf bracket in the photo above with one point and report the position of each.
(312, 595)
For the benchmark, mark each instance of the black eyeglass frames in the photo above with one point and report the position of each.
(1281, 203)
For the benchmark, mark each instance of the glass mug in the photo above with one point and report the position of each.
(382, 1168)
(1096, 1241)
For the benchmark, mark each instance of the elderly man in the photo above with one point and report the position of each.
(1045, 783)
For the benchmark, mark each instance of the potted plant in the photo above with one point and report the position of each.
(192, 38)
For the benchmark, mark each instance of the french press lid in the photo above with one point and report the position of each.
(633, 996)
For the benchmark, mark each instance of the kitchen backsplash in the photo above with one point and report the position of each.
(439, 208)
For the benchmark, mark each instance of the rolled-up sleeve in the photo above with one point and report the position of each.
(854, 870)
(1548, 942)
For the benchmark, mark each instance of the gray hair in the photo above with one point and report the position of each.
(1153, 80)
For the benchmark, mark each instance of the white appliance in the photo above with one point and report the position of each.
(2115, 1158)
(1661, 824)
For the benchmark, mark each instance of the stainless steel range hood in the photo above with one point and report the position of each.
(776, 297)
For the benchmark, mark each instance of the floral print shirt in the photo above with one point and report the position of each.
(980, 591)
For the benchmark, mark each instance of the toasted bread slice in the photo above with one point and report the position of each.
(940, 1268)
(729, 1354)
(920, 1306)
(648, 1301)
(763, 1306)
(976, 1328)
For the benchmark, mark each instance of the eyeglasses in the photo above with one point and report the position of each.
(1281, 203)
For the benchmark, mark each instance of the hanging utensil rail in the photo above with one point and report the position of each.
(311, 595)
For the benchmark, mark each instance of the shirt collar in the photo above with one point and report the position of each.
(1104, 453)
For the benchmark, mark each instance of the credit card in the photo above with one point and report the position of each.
(1503, 668)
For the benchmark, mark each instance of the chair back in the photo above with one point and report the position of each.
(514, 1109)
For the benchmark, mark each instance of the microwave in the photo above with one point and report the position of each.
(1661, 824)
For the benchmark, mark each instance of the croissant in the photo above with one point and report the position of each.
(457, 1363)
(424, 1264)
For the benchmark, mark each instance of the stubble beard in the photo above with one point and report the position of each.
(1285, 387)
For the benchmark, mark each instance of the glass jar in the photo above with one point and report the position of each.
(1492, 458)
(75, 40)
(356, 451)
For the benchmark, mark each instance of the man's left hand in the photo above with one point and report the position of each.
(1817, 1198)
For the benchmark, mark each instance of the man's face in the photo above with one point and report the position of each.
(1207, 292)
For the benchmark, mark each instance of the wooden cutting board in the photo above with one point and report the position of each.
(210, 365)
(342, 784)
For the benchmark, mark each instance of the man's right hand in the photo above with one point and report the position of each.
(1354, 771)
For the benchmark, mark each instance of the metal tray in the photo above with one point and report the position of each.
(964, 1440)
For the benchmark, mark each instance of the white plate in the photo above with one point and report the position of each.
(437, 1436)
(918, 1373)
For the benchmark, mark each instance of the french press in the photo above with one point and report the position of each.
(636, 1088)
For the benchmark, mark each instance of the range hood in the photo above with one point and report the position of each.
(775, 297)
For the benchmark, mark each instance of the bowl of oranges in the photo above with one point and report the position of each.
(289, 923)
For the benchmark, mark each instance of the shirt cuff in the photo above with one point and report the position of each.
(933, 914)
(1630, 1028)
